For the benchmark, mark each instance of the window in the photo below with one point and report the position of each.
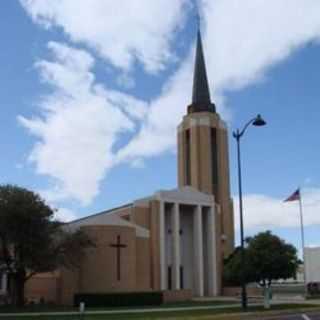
(214, 161)
(169, 278)
(188, 159)
(181, 278)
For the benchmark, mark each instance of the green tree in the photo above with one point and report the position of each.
(267, 257)
(32, 241)
(233, 268)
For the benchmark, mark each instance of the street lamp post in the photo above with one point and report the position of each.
(256, 121)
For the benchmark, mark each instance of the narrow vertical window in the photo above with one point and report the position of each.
(169, 278)
(214, 161)
(188, 158)
(181, 278)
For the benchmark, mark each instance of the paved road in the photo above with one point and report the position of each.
(306, 316)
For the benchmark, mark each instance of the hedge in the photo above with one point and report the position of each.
(313, 288)
(119, 299)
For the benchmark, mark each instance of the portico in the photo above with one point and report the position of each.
(187, 233)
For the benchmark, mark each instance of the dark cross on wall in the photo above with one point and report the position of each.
(118, 246)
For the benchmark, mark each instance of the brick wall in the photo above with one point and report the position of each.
(43, 286)
(177, 295)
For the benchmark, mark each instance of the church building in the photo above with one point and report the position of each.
(172, 240)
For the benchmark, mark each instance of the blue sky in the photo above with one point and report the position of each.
(91, 95)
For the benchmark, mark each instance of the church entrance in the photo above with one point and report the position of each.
(170, 278)
(190, 246)
(184, 273)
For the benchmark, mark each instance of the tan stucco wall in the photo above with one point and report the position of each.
(98, 272)
(143, 265)
(69, 285)
(200, 125)
(154, 244)
(219, 247)
(141, 216)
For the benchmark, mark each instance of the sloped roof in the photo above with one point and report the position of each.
(110, 218)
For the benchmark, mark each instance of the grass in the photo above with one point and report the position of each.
(313, 297)
(56, 308)
(288, 289)
(185, 315)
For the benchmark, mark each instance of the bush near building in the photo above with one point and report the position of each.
(123, 299)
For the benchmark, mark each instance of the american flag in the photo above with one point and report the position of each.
(294, 197)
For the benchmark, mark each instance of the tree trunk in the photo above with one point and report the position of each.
(19, 286)
(20, 294)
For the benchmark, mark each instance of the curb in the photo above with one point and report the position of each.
(264, 314)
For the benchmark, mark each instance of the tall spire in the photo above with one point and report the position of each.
(201, 101)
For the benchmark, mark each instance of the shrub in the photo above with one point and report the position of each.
(313, 288)
(119, 299)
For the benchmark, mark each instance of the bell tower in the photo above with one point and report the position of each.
(203, 159)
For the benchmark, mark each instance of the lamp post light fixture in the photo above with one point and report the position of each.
(258, 122)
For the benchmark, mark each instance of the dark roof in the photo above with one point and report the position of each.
(200, 93)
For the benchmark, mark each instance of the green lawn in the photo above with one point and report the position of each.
(188, 315)
(287, 289)
(54, 308)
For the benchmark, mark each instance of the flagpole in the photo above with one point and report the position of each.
(302, 241)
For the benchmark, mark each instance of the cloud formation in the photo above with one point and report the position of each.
(65, 215)
(120, 33)
(78, 125)
(261, 211)
(81, 120)
(242, 41)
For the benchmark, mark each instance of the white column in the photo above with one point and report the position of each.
(175, 223)
(198, 251)
(212, 254)
(163, 267)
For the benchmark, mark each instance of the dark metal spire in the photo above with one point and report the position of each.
(201, 101)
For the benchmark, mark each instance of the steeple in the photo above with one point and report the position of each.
(201, 101)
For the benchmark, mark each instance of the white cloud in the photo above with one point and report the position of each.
(83, 120)
(243, 39)
(265, 212)
(241, 42)
(121, 33)
(78, 125)
(158, 132)
(65, 215)
(137, 164)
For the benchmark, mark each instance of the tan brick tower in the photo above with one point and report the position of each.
(203, 160)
